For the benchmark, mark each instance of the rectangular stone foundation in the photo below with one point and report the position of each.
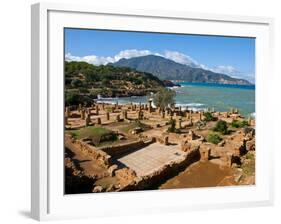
(149, 159)
(163, 173)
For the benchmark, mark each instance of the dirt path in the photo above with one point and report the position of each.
(86, 162)
(200, 174)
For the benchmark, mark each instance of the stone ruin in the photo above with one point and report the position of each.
(125, 175)
(107, 116)
(67, 112)
(190, 142)
(82, 113)
(205, 154)
(185, 145)
(98, 120)
(88, 119)
(178, 123)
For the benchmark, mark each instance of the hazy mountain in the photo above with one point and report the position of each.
(167, 69)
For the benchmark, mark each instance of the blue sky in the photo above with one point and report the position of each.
(230, 55)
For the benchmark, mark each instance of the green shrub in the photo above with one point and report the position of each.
(209, 117)
(172, 128)
(214, 138)
(73, 98)
(83, 90)
(76, 83)
(105, 81)
(239, 124)
(221, 126)
(96, 134)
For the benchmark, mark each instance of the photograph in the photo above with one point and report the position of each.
(153, 111)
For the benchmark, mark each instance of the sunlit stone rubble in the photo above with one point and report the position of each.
(129, 147)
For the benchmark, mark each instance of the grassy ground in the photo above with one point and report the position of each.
(89, 132)
(130, 126)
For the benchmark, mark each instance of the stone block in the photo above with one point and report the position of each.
(205, 154)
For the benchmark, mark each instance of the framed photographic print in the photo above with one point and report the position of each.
(148, 111)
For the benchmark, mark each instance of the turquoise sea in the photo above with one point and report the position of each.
(200, 96)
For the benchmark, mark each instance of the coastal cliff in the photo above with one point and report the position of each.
(84, 82)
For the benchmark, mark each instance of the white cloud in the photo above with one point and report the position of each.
(225, 69)
(101, 60)
(233, 72)
(92, 59)
(181, 58)
(132, 53)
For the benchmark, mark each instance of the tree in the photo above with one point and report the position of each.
(83, 90)
(221, 126)
(72, 98)
(164, 98)
(105, 81)
(173, 128)
(239, 124)
(209, 117)
(76, 83)
(214, 138)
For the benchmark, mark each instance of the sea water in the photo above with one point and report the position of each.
(221, 97)
(200, 96)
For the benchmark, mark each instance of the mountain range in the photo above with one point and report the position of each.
(166, 69)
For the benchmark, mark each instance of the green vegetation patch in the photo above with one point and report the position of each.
(164, 98)
(239, 124)
(209, 117)
(221, 127)
(213, 138)
(84, 74)
(172, 127)
(96, 134)
(76, 98)
(136, 124)
(87, 132)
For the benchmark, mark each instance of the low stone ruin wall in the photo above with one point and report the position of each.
(98, 155)
(105, 155)
(119, 150)
(155, 179)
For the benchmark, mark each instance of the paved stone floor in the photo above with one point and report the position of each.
(151, 158)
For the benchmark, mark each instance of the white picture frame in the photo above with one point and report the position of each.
(48, 201)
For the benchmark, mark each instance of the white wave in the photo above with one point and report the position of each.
(174, 87)
(186, 85)
(198, 109)
(192, 106)
(106, 101)
(195, 104)
(99, 97)
(179, 92)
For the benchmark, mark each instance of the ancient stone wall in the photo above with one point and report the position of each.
(100, 156)
(119, 150)
(155, 179)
